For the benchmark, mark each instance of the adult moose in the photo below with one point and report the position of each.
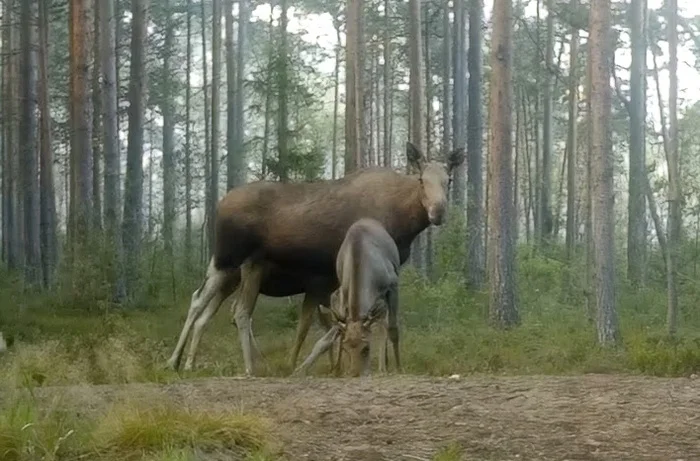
(300, 227)
(368, 272)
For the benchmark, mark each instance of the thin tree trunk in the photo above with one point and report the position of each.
(28, 144)
(112, 161)
(429, 269)
(572, 143)
(388, 86)
(354, 66)
(207, 133)
(81, 116)
(503, 303)
(47, 218)
(215, 119)
(600, 53)
(268, 99)
(636, 206)
(547, 141)
(446, 73)
(459, 124)
(240, 176)
(675, 217)
(188, 141)
(232, 166)
(282, 127)
(8, 243)
(132, 227)
(169, 173)
(336, 97)
(96, 122)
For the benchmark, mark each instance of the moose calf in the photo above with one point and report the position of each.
(368, 272)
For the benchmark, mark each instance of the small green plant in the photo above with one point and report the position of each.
(451, 452)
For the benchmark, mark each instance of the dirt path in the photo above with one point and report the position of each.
(396, 418)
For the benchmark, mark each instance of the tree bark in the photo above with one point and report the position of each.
(636, 206)
(600, 53)
(28, 144)
(354, 95)
(503, 302)
(282, 125)
(207, 133)
(132, 226)
(675, 216)
(241, 169)
(169, 173)
(81, 116)
(388, 86)
(188, 140)
(215, 118)
(459, 124)
(572, 142)
(475, 182)
(547, 142)
(96, 121)
(336, 99)
(47, 205)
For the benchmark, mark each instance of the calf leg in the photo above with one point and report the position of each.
(213, 283)
(326, 320)
(319, 348)
(251, 276)
(383, 356)
(393, 323)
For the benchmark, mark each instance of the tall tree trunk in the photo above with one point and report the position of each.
(636, 206)
(268, 97)
(96, 122)
(132, 227)
(354, 65)
(282, 127)
(28, 143)
(459, 124)
(336, 97)
(188, 140)
(547, 141)
(388, 86)
(231, 153)
(215, 119)
(446, 73)
(417, 105)
(169, 174)
(428, 239)
(475, 182)
(10, 193)
(207, 132)
(675, 217)
(110, 143)
(600, 53)
(572, 142)
(81, 116)
(239, 114)
(47, 199)
(503, 303)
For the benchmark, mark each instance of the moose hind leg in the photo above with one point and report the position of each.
(213, 283)
(251, 277)
(308, 306)
(326, 320)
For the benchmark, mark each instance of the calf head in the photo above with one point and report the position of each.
(435, 177)
(355, 334)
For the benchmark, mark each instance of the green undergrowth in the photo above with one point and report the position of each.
(127, 431)
(62, 338)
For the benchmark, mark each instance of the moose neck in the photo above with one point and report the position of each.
(412, 218)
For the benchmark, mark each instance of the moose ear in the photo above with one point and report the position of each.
(455, 159)
(414, 157)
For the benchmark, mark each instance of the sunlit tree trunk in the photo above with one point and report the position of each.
(572, 142)
(167, 107)
(547, 142)
(215, 118)
(600, 52)
(459, 124)
(96, 121)
(503, 303)
(239, 114)
(388, 86)
(354, 95)
(188, 141)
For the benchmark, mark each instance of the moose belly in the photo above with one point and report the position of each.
(301, 261)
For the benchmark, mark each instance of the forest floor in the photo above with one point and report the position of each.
(399, 417)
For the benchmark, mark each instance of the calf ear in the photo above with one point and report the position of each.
(374, 313)
(414, 157)
(338, 318)
(455, 159)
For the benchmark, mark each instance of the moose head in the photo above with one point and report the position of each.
(435, 177)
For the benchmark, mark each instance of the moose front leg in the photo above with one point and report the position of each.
(393, 323)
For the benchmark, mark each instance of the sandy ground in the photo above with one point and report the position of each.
(395, 418)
